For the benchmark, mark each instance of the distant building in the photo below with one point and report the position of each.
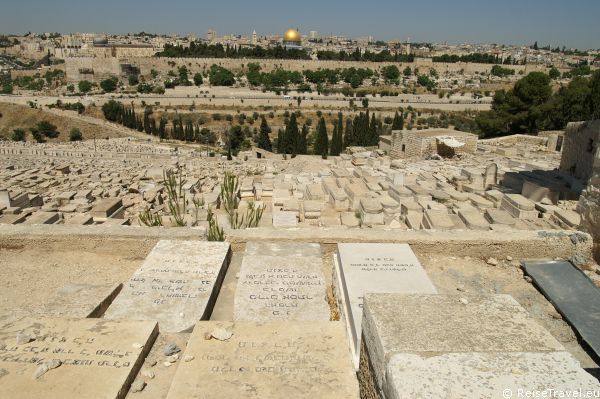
(423, 143)
(211, 35)
(292, 39)
(254, 38)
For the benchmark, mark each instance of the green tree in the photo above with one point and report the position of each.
(348, 134)
(398, 122)
(303, 147)
(75, 134)
(84, 86)
(236, 138)
(46, 128)
(133, 80)
(554, 73)
(183, 76)
(219, 76)
(264, 141)
(112, 110)
(198, 79)
(109, 85)
(407, 71)
(18, 135)
(321, 146)
(594, 100)
(390, 72)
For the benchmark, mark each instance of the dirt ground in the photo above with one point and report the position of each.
(20, 116)
(31, 271)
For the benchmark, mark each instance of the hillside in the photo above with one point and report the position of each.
(14, 116)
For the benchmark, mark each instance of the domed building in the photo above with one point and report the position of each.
(292, 39)
(100, 41)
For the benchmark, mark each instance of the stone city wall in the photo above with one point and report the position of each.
(164, 65)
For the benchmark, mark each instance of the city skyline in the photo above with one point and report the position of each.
(549, 22)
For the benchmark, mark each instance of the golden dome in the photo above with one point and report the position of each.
(292, 36)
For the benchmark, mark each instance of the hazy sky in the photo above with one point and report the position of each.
(574, 23)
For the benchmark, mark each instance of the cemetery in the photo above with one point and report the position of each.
(136, 270)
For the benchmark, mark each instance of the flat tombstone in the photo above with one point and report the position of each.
(176, 285)
(485, 375)
(266, 360)
(285, 219)
(99, 358)
(435, 324)
(374, 268)
(284, 282)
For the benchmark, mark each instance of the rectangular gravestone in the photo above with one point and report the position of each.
(177, 285)
(280, 359)
(573, 294)
(362, 268)
(432, 325)
(281, 281)
(99, 358)
(486, 375)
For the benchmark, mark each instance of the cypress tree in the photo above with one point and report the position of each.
(373, 132)
(264, 141)
(398, 123)
(162, 129)
(147, 127)
(322, 141)
(292, 136)
(303, 140)
(348, 137)
(333, 149)
(280, 141)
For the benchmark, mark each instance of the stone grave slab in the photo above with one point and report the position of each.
(361, 268)
(432, 325)
(572, 293)
(285, 219)
(284, 282)
(266, 360)
(98, 358)
(485, 375)
(176, 285)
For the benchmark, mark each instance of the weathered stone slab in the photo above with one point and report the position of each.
(42, 217)
(281, 286)
(285, 219)
(486, 375)
(573, 294)
(176, 285)
(106, 207)
(438, 220)
(436, 324)
(473, 220)
(374, 268)
(98, 358)
(267, 360)
(497, 216)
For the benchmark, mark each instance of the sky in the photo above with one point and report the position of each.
(572, 23)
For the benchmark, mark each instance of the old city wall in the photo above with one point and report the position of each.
(163, 65)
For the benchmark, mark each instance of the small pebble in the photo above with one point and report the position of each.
(171, 349)
(137, 345)
(23, 338)
(492, 262)
(464, 301)
(148, 374)
(461, 288)
(173, 358)
(40, 371)
(188, 358)
(167, 364)
(138, 386)
(509, 258)
(528, 279)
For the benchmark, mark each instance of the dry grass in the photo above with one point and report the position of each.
(19, 116)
